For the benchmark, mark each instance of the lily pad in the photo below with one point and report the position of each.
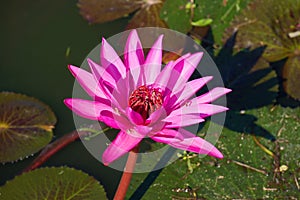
(147, 12)
(247, 170)
(53, 183)
(257, 27)
(95, 11)
(175, 14)
(25, 126)
(221, 12)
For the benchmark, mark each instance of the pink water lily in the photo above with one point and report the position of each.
(144, 99)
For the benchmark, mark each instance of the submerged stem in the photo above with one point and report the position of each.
(57, 145)
(127, 174)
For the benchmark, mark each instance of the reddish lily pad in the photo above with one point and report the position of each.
(147, 12)
(274, 24)
(53, 183)
(25, 126)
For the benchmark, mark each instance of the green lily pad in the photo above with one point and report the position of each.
(276, 30)
(246, 172)
(175, 14)
(25, 126)
(53, 183)
(220, 12)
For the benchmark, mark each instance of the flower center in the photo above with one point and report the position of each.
(145, 100)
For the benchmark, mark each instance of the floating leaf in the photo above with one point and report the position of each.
(95, 11)
(53, 183)
(221, 13)
(25, 126)
(202, 22)
(246, 172)
(257, 27)
(291, 74)
(175, 14)
(148, 16)
(147, 11)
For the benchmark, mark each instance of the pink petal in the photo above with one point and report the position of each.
(134, 117)
(117, 92)
(152, 65)
(170, 75)
(134, 57)
(167, 136)
(164, 76)
(183, 120)
(195, 108)
(101, 74)
(190, 64)
(122, 144)
(107, 117)
(156, 116)
(196, 144)
(212, 95)
(87, 109)
(87, 81)
(192, 87)
(120, 119)
(109, 58)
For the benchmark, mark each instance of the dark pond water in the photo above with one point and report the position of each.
(34, 38)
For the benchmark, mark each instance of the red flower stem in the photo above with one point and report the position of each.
(127, 174)
(54, 147)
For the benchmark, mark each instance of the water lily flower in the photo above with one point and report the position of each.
(144, 99)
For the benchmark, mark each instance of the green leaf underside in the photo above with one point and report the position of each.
(246, 172)
(61, 183)
(257, 26)
(25, 126)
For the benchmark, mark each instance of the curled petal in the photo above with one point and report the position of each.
(122, 144)
(134, 117)
(196, 144)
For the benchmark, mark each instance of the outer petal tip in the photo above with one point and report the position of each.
(68, 103)
(216, 153)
